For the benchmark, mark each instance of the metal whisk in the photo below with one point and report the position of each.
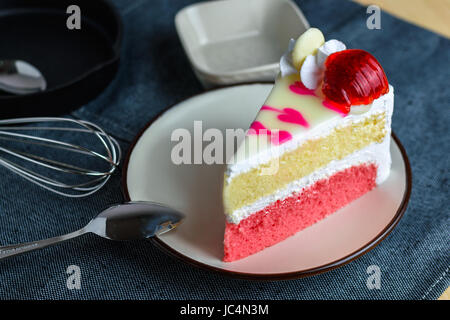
(25, 150)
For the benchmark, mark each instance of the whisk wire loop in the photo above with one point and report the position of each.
(13, 131)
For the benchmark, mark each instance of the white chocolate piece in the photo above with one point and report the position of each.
(307, 44)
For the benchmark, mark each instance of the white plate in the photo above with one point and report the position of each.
(149, 174)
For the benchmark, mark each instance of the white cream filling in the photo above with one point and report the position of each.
(383, 104)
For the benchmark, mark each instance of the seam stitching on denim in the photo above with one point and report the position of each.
(434, 284)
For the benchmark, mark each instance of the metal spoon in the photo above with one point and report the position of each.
(129, 221)
(20, 77)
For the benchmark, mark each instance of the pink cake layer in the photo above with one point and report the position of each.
(284, 218)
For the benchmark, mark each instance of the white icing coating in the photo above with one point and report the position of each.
(377, 153)
(246, 162)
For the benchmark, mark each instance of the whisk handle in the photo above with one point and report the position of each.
(16, 249)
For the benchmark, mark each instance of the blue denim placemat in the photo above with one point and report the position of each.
(154, 73)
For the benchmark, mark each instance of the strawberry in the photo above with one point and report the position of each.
(353, 77)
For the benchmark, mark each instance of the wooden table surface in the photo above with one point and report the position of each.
(430, 14)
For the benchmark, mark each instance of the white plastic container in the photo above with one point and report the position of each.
(233, 41)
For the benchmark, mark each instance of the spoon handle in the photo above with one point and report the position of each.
(16, 249)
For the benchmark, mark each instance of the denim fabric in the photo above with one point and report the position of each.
(154, 73)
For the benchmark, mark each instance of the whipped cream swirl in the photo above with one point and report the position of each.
(311, 71)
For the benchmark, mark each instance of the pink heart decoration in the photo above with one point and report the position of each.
(293, 116)
(283, 136)
(258, 128)
(299, 88)
(269, 108)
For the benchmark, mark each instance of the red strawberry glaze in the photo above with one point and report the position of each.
(353, 77)
(283, 218)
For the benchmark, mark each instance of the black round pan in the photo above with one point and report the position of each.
(78, 64)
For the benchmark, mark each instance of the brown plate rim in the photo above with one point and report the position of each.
(274, 276)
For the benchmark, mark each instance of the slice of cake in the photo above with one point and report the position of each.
(320, 141)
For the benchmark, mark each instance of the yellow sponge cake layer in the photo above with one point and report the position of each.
(311, 155)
